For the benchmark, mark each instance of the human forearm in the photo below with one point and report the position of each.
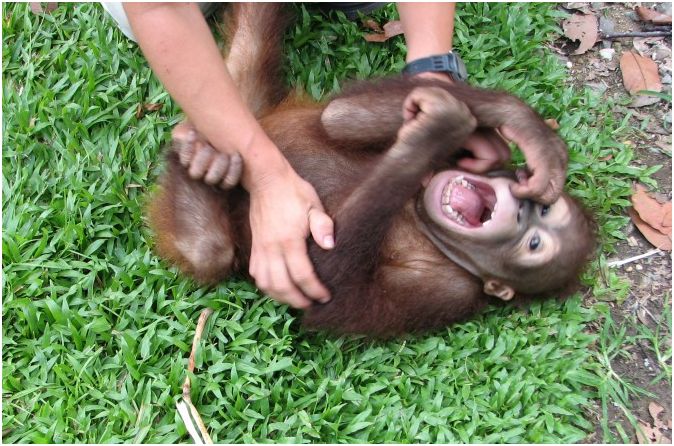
(428, 27)
(182, 52)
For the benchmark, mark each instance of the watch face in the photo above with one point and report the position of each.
(458, 68)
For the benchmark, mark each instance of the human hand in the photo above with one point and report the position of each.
(203, 161)
(284, 209)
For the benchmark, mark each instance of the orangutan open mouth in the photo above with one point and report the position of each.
(469, 203)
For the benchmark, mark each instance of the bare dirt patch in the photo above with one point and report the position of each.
(649, 279)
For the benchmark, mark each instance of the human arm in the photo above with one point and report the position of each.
(429, 29)
(183, 54)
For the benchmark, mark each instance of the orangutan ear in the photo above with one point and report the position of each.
(498, 289)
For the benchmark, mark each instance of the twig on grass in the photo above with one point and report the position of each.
(192, 416)
(614, 36)
(633, 259)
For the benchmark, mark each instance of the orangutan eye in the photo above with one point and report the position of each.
(544, 210)
(535, 242)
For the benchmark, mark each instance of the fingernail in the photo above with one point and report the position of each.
(328, 242)
(325, 300)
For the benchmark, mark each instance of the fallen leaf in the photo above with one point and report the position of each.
(374, 26)
(582, 27)
(644, 45)
(639, 73)
(657, 238)
(641, 315)
(653, 16)
(606, 158)
(667, 218)
(658, 215)
(655, 409)
(641, 100)
(141, 109)
(647, 434)
(375, 37)
(579, 6)
(552, 123)
(665, 147)
(393, 28)
(37, 8)
(152, 107)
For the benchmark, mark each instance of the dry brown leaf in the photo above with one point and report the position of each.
(152, 107)
(651, 15)
(37, 8)
(375, 37)
(657, 238)
(141, 109)
(374, 26)
(655, 409)
(393, 28)
(658, 215)
(667, 218)
(582, 27)
(665, 147)
(552, 123)
(647, 434)
(580, 6)
(639, 73)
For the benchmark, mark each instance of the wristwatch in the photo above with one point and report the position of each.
(449, 63)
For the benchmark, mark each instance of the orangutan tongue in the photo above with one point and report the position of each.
(467, 202)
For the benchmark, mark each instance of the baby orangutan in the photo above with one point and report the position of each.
(419, 244)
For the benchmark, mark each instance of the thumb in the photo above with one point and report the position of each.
(322, 228)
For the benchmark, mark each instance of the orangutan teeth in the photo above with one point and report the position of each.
(454, 215)
(447, 193)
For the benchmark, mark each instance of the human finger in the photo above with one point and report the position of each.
(280, 286)
(302, 272)
(322, 228)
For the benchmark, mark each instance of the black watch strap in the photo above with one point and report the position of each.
(449, 63)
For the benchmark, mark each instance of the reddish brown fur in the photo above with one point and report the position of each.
(254, 52)
(385, 276)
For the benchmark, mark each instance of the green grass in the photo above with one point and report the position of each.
(96, 330)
